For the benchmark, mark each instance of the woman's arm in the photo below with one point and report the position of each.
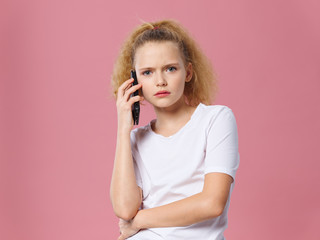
(208, 204)
(125, 194)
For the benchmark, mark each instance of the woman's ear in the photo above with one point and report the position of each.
(189, 72)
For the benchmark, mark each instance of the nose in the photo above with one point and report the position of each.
(160, 80)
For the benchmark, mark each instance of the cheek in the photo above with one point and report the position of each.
(145, 89)
(180, 86)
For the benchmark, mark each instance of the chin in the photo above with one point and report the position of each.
(166, 104)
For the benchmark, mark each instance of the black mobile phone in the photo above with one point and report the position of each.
(135, 105)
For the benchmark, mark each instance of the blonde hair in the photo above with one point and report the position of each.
(202, 86)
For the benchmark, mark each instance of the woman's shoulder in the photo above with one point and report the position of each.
(215, 110)
(140, 131)
(218, 119)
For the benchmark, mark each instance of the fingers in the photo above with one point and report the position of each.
(125, 102)
(122, 237)
(125, 86)
(135, 99)
(131, 90)
(126, 89)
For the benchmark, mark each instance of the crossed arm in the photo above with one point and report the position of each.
(205, 205)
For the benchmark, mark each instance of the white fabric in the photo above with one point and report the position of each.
(173, 168)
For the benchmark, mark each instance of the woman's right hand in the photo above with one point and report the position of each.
(124, 104)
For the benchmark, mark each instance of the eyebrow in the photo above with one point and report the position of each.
(167, 65)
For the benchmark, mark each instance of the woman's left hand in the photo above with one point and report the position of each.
(127, 229)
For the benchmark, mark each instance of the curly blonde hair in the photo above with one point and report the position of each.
(203, 85)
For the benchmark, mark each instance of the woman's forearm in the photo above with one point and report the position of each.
(190, 210)
(124, 192)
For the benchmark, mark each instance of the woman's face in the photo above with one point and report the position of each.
(161, 70)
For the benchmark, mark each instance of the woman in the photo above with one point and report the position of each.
(172, 179)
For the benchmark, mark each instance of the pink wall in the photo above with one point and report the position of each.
(58, 121)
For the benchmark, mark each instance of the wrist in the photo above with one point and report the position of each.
(124, 131)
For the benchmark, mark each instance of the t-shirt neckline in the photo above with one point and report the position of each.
(186, 126)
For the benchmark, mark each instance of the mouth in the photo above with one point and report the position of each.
(162, 94)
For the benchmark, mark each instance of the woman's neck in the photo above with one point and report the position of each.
(171, 120)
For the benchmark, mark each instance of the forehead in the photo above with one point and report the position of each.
(153, 53)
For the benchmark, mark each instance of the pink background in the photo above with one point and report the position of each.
(58, 121)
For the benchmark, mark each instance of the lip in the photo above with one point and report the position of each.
(162, 94)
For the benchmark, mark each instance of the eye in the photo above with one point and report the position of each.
(146, 73)
(171, 69)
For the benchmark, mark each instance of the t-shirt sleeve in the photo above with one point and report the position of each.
(136, 168)
(222, 144)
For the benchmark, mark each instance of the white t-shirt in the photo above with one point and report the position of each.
(173, 168)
